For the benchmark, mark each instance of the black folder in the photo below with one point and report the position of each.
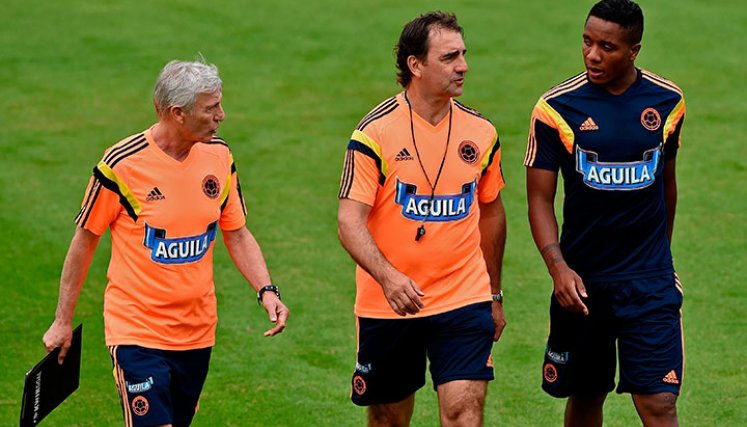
(48, 383)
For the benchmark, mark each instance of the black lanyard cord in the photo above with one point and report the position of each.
(421, 230)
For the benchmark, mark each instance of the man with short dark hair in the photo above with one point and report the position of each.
(421, 214)
(164, 193)
(613, 131)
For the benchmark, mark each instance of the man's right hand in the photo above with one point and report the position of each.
(403, 295)
(569, 288)
(58, 335)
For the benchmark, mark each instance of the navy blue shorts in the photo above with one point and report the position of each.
(640, 319)
(392, 353)
(159, 386)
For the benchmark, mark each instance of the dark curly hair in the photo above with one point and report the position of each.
(414, 40)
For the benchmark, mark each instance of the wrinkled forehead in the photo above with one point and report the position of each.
(207, 98)
(442, 40)
(207, 101)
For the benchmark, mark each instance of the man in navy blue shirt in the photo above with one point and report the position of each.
(613, 131)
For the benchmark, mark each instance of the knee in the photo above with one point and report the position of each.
(584, 410)
(667, 407)
(661, 406)
(382, 416)
(462, 414)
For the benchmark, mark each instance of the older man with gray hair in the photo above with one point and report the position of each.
(163, 193)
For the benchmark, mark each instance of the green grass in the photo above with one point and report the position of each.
(76, 76)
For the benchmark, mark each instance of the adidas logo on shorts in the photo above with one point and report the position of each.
(671, 378)
(403, 155)
(155, 194)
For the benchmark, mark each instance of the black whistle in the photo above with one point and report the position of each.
(420, 233)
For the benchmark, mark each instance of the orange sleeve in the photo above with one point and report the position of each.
(491, 182)
(233, 214)
(362, 173)
(100, 208)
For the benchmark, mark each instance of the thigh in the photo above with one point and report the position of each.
(391, 361)
(143, 381)
(189, 370)
(460, 343)
(650, 341)
(580, 353)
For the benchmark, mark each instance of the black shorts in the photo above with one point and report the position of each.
(392, 353)
(159, 386)
(639, 319)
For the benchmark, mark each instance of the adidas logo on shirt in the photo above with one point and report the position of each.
(403, 155)
(155, 194)
(589, 124)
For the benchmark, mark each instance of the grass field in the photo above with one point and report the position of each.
(76, 76)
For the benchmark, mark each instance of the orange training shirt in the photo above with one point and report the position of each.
(163, 215)
(382, 170)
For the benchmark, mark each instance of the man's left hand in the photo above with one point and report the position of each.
(499, 319)
(276, 311)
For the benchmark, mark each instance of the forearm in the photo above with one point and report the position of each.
(542, 221)
(74, 272)
(670, 196)
(402, 294)
(358, 242)
(568, 287)
(544, 227)
(355, 237)
(493, 240)
(247, 256)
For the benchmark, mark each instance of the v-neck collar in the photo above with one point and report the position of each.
(421, 122)
(166, 158)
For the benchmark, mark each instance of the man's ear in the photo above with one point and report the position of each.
(415, 65)
(178, 114)
(634, 52)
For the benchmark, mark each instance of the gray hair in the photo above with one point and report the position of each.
(181, 81)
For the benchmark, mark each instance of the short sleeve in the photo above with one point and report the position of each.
(491, 182)
(544, 146)
(233, 209)
(100, 207)
(673, 142)
(362, 174)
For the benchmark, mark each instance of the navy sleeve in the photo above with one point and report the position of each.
(672, 143)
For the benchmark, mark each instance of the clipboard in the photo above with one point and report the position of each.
(48, 383)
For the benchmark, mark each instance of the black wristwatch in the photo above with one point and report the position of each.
(271, 288)
(498, 297)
